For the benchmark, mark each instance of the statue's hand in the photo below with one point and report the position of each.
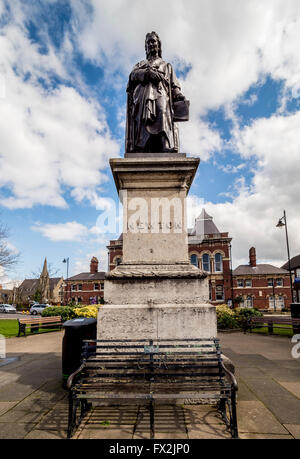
(152, 76)
(179, 97)
(177, 94)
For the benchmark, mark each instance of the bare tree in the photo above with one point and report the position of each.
(52, 271)
(8, 258)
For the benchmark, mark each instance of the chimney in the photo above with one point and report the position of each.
(94, 265)
(252, 257)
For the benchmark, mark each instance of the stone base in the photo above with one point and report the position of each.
(140, 321)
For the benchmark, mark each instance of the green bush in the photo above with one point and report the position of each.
(70, 312)
(226, 317)
(65, 312)
(244, 314)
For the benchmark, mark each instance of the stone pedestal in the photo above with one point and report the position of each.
(155, 292)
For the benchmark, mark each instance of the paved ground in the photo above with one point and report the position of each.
(4, 315)
(34, 405)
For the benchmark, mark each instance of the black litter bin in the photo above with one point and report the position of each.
(76, 330)
(295, 314)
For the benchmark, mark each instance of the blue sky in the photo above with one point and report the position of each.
(64, 67)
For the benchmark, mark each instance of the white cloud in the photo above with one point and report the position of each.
(51, 139)
(70, 231)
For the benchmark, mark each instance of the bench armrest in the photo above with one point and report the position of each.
(73, 375)
(231, 376)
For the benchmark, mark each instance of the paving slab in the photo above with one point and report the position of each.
(6, 406)
(254, 417)
(294, 430)
(278, 400)
(13, 431)
(258, 436)
(293, 387)
(21, 416)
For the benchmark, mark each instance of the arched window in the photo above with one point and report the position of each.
(118, 261)
(205, 262)
(194, 260)
(218, 263)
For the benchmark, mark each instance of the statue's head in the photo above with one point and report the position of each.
(152, 39)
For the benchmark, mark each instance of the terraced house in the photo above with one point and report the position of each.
(86, 287)
(262, 286)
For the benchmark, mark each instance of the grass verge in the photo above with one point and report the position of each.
(10, 328)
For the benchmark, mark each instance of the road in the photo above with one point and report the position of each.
(12, 316)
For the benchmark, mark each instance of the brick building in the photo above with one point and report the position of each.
(208, 248)
(6, 296)
(262, 286)
(87, 287)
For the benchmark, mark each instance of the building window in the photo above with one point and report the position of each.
(219, 292)
(271, 302)
(280, 302)
(279, 282)
(102, 286)
(79, 300)
(218, 263)
(194, 260)
(96, 286)
(79, 286)
(206, 262)
(297, 272)
(240, 283)
(248, 283)
(270, 282)
(74, 288)
(118, 261)
(249, 302)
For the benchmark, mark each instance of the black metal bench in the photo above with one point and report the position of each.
(150, 371)
(34, 323)
(273, 322)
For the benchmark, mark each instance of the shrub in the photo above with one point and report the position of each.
(226, 317)
(65, 312)
(86, 311)
(244, 314)
(71, 312)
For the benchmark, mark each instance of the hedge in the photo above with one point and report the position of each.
(234, 318)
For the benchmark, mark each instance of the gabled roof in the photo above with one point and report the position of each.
(88, 276)
(260, 269)
(295, 263)
(31, 285)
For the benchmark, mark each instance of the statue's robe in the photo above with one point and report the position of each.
(149, 107)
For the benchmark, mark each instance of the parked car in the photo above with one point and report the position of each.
(38, 308)
(8, 308)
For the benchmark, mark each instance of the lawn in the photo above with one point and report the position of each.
(286, 330)
(10, 328)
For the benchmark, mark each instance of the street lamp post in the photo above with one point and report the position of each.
(282, 222)
(66, 260)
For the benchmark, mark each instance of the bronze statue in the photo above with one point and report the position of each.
(155, 103)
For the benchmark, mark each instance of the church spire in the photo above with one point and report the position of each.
(45, 269)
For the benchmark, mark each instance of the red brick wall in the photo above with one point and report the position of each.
(260, 291)
(85, 294)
